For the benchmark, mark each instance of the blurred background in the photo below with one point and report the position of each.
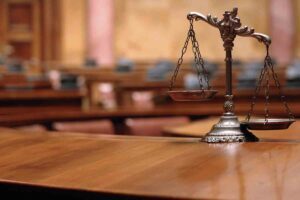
(104, 66)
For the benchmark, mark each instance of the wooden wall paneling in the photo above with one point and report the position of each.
(21, 27)
(22, 49)
(51, 30)
(20, 16)
(33, 28)
(36, 30)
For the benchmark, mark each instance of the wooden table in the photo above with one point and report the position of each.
(48, 165)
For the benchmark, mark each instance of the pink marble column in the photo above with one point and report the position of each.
(100, 31)
(282, 30)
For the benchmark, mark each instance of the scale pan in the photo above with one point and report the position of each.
(271, 124)
(192, 95)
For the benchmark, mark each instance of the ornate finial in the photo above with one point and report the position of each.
(234, 12)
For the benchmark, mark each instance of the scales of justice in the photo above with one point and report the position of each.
(229, 128)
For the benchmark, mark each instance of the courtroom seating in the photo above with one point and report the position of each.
(90, 63)
(210, 66)
(15, 66)
(124, 65)
(13, 77)
(21, 81)
(293, 74)
(237, 63)
(152, 126)
(192, 82)
(160, 70)
(249, 74)
(94, 126)
(68, 81)
(32, 128)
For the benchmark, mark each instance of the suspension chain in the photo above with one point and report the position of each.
(197, 58)
(199, 62)
(268, 65)
(257, 89)
(277, 84)
(267, 95)
(180, 60)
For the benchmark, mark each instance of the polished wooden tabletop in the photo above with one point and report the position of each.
(167, 167)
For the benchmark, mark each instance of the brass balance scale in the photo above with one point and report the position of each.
(229, 129)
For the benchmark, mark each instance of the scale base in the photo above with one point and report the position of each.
(228, 130)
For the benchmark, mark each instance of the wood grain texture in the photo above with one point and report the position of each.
(161, 167)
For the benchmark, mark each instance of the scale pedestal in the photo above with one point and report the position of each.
(229, 129)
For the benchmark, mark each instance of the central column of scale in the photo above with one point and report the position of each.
(228, 104)
(228, 61)
(228, 129)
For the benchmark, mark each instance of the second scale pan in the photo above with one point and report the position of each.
(269, 124)
(192, 95)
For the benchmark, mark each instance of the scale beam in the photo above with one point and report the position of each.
(231, 20)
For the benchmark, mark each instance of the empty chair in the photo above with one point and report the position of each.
(165, 65)
(69, 81)
(15, 66)
(95, 126)
(210, 67)
(236, 63)
(293, 74)
(250, 73)
(124, 65)
(152, 126)
(90, 63)
(160, 71)
(191, 82)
